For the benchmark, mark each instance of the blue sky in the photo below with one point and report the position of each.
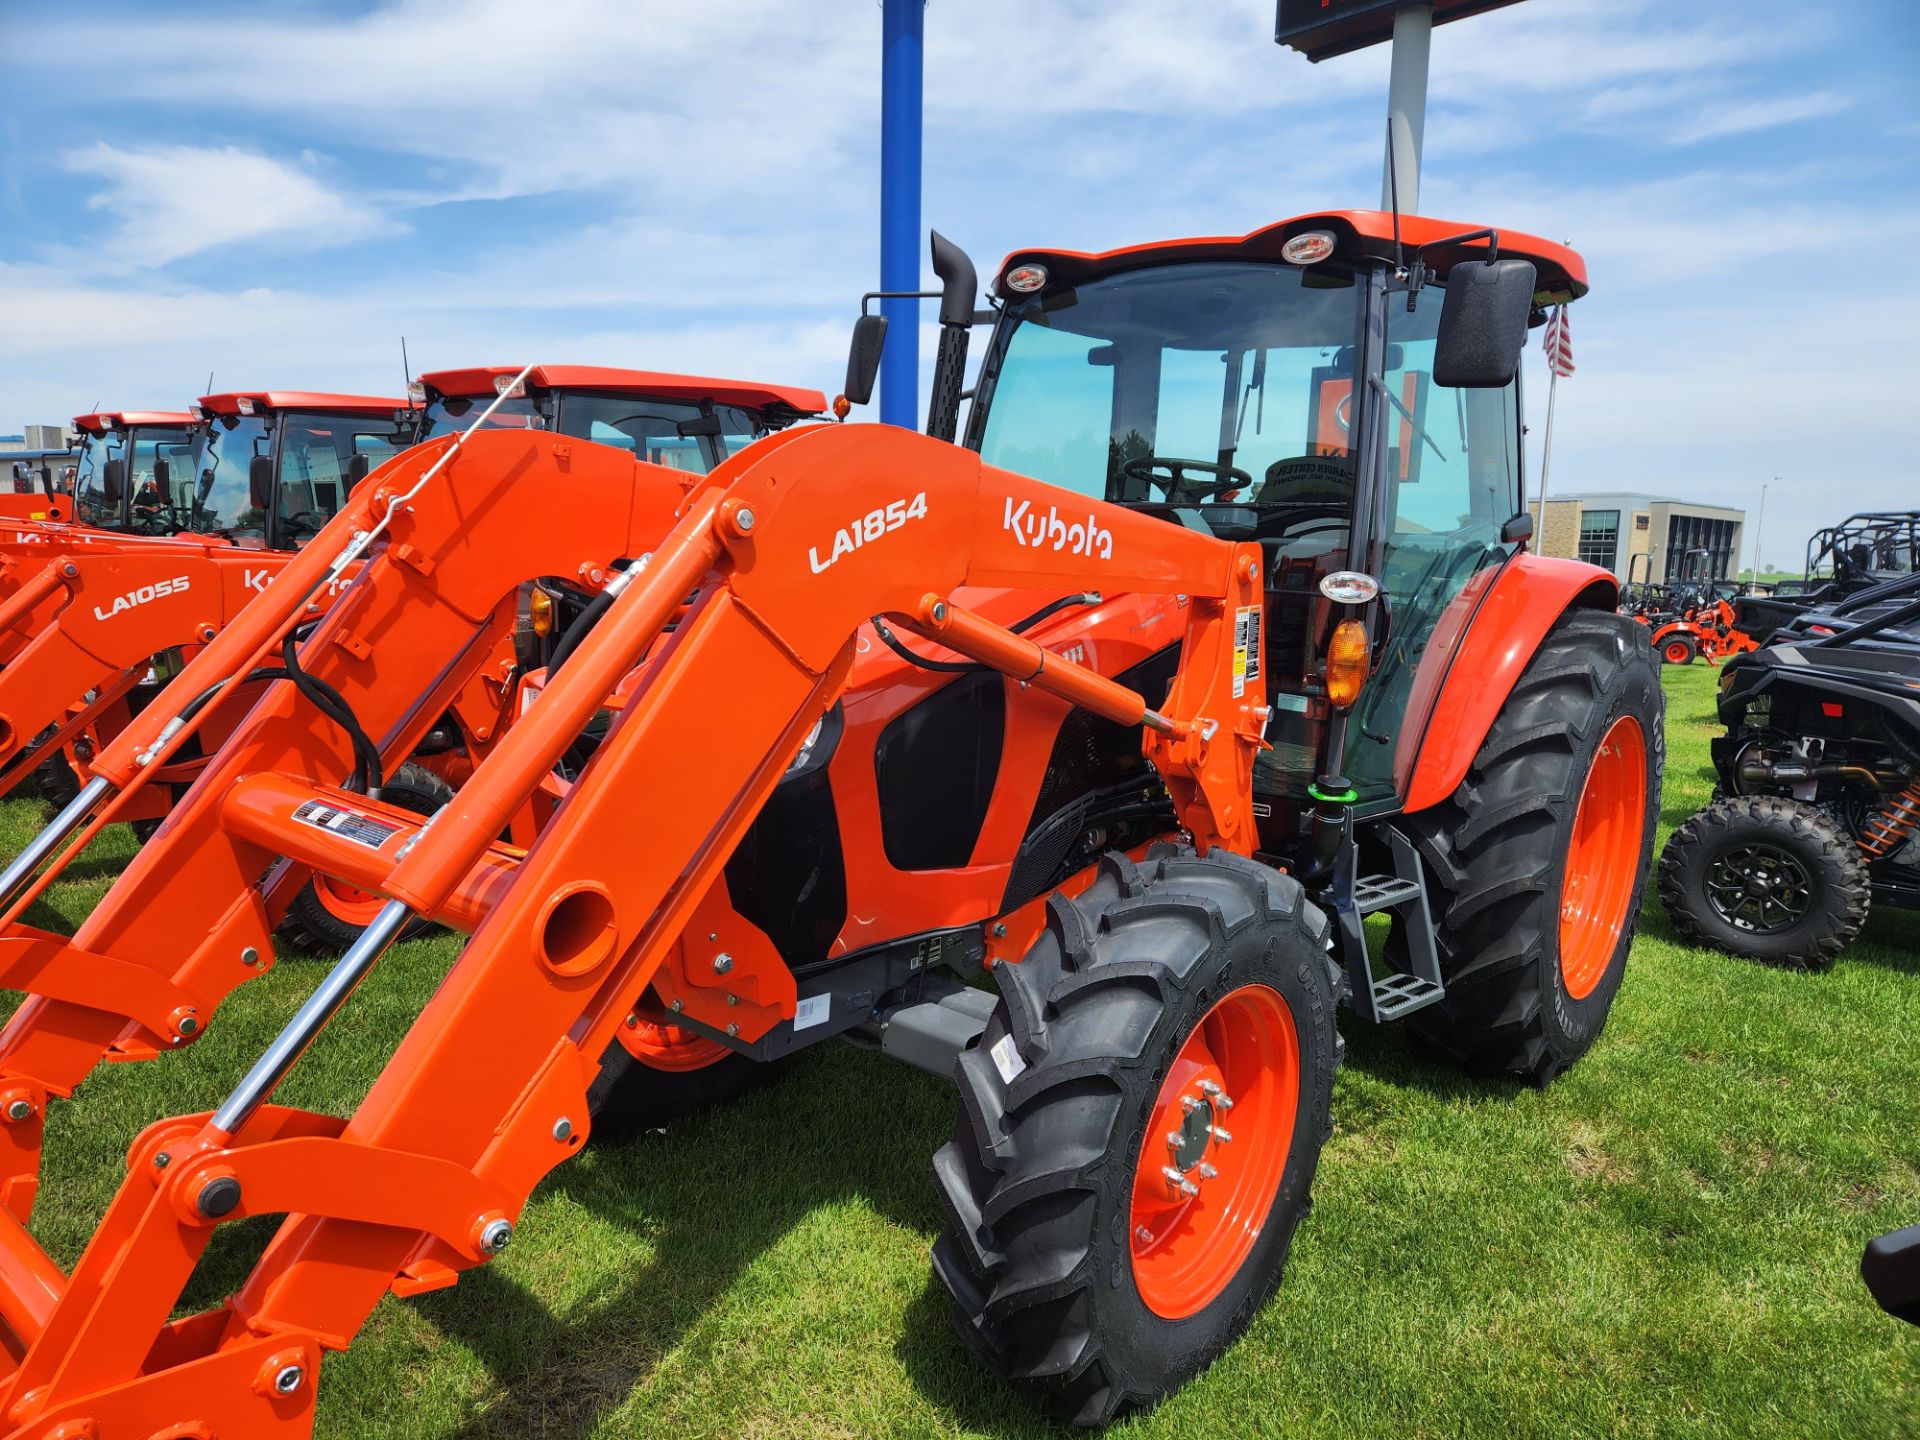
(276, 192)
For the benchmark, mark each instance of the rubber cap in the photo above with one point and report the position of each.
(219, 1197)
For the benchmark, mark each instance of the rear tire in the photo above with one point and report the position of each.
(1678, 650)
(1058, 1283)
(1529, 985)
(1772, 879)
(327, 924)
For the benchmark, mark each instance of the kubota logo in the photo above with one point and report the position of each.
(1050, 532)
(868, 528)
(159, 590)
(255, 579)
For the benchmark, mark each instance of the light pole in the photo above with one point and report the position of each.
(1753, 575)
(1407, 109)
(903, 28)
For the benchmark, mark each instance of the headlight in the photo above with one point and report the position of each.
(817, 749)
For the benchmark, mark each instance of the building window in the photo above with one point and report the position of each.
(1700, 548)
(1600, 537)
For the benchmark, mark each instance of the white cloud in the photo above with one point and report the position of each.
(171, 201)
(1738, 119)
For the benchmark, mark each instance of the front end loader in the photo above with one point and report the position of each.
(1251, 650)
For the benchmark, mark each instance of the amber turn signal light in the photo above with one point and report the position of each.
(1346, 663)
(540, 611)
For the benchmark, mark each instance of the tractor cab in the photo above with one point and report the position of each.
(685, 422)
(42, 482)
(1342, 390)
(270, 467)
(127, 459)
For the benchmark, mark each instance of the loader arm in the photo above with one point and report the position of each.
(790, 546)
(116, 610)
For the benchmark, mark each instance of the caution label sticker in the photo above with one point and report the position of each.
(347, 824)
(1246, 648)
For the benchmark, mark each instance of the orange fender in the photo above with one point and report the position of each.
(1483, 641)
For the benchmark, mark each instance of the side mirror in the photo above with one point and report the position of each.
(863, 357)
(260, 481)
(113, 481)
(1483, 323)
(357, 469)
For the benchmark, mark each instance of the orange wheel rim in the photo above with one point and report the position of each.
(1676, 651)
(347, 902)
(668, 1047)
(1215, 1150)
(1604, 857)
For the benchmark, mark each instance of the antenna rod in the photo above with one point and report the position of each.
(405, 368)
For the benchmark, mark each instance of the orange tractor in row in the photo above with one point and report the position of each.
(90, 629)
(1218, 634)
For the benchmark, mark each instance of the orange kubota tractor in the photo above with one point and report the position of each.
(1258, 651)
(93, 625)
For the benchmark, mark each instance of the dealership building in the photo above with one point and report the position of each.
(1611, 529)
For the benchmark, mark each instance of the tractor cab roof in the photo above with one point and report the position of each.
(124, 419)
(243, 402)
(1357, 233)
(658, 384)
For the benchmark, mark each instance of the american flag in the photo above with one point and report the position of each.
(1558, 343)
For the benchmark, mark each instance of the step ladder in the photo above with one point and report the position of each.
(1395, 993)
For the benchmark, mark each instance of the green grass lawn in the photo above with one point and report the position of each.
(1664, 1243)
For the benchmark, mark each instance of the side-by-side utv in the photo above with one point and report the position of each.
(1818, 815)
(1218, 634)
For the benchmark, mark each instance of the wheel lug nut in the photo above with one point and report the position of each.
(1189, 1104)
(1223, 1135)
(1210, 1089)
(1189, 1189)
(1207, 1172)
(1143, 1235)
(1173, 1139)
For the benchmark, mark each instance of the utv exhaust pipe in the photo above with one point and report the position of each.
(19, 874)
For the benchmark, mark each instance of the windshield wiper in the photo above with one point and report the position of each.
(1419, 429)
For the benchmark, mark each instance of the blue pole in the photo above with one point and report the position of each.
(903, 30)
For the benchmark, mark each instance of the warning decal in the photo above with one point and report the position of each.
(1246, 648)
(360, 829)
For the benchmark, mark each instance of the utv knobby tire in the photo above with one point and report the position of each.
(629, 1097)
(316, 930)
(1839, 892)
(1496, 854)
(1038, 1179)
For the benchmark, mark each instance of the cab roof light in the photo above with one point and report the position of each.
(1025, 279)
(510, 387)
(244, 405)
(1309, 247)
(417, 391)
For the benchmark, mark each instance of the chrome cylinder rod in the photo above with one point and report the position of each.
(277, 1059)
(16, 876)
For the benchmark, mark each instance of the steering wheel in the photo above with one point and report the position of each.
(1226, 477)
(310, 521)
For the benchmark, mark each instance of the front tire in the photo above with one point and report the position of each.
(1537, 863)
(1678, 650)
(657, 1074)
(1077, 1264)
(1773, 879)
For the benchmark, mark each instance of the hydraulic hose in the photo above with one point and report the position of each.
(965, 667)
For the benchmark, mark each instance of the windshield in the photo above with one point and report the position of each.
(93, 500)
(320, 461)
(1224, 391)
(222, 496)
(650, 429)
(450, 414)
(162, 471)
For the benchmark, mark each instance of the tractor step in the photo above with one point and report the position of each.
(1373, 893)
(1395, 993)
